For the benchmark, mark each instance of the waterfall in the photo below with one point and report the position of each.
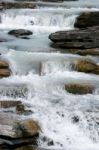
(40, 74)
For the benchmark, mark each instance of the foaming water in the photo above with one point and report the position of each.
(55, 110)
(41, 20)
(39, 77)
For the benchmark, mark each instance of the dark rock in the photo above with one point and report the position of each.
(93, 52)
(79, 89)
(16, 5)
(19, 107)
(87, 19)
(75, 119)
(83, 39)
(9, 103)
(20, 32)
(3, 40)
(4, 69)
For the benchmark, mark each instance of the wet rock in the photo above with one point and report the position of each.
(57, 0)
(87, 19)
(11, 126)
(18, 105)
(16, 5)
(5, 73)
(79, 89)
(3, 64)
(20, 32)
(93, 52)
(27, 148)
(87, 66)
(3, 40)
(9, 103)
(77, 39)
(8, 143)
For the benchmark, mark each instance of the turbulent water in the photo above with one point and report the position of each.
(43, 91)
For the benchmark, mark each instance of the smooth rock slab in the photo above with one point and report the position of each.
(83, 39)
(3, 64)
(19, 107)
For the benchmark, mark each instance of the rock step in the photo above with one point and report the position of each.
(87, 19)
(77, 39)
(79, 89)
(16, 5)
(4, 69)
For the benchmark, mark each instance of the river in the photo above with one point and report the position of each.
(40, 73)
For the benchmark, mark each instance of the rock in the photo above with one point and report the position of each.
(3, 40)
(47, 141)
(3, 64)
(12, 127)
(27, 148)
(9, 103)
(5, 73)
(19, 107)
(87, 19)
(87, 66)
(77, 39)
(93, 52)
(75, 119)
(16, 5)
(20, 32)
(79, 89)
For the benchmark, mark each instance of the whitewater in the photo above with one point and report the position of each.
(40, 74)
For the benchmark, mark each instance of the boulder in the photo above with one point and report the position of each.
(4, 69)
(77, 39)
(20, 32)
(9, 103)
(12, 127)
(79, 89)
(87, 19)
(87, 66)
(3, 64)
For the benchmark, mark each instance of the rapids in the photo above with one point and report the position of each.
(44, 92)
